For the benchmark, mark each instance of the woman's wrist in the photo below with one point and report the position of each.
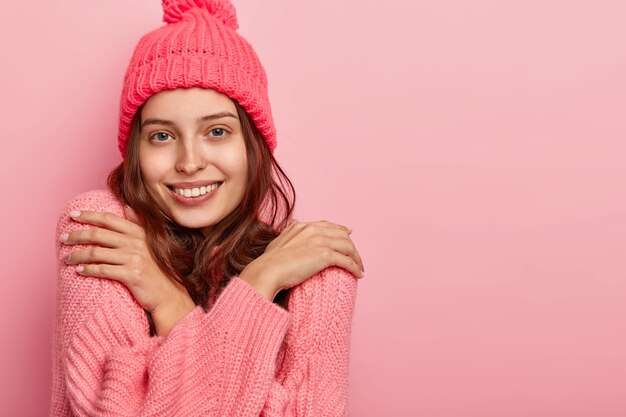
(256, 280)
(166, 316)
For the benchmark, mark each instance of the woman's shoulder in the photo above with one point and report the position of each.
(336, 282)
(333, 285)
(322, 308)
(95, 200)
(336, 274)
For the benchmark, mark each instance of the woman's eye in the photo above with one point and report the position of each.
(217, 132)
(161, 136)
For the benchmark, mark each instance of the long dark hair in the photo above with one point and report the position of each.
(204, 265)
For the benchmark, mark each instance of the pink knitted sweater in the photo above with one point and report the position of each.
(246, 356)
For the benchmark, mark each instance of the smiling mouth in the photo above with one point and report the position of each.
(195, 192)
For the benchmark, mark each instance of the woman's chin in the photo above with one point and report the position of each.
(194, 224)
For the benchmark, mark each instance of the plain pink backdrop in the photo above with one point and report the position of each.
(477, 148)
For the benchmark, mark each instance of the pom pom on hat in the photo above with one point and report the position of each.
(222, 10)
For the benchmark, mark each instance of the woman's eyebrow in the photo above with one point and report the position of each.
(201, 119)
(217, 116)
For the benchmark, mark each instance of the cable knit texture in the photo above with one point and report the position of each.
(245, 356)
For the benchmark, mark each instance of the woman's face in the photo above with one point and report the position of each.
(192, 155)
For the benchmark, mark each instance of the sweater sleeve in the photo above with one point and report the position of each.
(217, 363)
(312, 380)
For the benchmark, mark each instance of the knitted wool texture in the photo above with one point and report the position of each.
(244, 357)
(198, 47)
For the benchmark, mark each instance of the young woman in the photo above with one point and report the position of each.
(188, 289)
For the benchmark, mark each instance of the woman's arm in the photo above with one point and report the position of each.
(313, 378)
(218, 363)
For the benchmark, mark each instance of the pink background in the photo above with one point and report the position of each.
(476, 147)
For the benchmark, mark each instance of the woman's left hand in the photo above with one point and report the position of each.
(120, 252)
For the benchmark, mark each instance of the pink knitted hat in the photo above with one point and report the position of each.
(197, 47)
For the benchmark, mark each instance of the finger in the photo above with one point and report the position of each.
(96, 236)
(331, 224)
(107, 220)
(346, 263)
(309, 230)
(324, 225)
(131, 215)
(360, 261)
(355, 254)
(343, 245)
(321, 233)
(114, 272)
(97, 255)
(328, 230)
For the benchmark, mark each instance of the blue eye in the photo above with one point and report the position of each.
(160, 136)
(218, 132)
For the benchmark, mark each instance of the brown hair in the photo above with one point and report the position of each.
(204, 265)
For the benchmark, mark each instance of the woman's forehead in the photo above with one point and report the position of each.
(186, 102)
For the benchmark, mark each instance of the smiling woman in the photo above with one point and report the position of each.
(188, 288)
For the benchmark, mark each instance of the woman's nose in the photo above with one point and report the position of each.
(190, 158)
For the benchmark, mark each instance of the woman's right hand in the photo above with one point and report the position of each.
(299, 252)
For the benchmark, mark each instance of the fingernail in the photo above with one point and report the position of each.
(74, 213)
(80, 268)
(64, 237)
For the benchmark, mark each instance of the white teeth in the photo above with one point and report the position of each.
(195, 192)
